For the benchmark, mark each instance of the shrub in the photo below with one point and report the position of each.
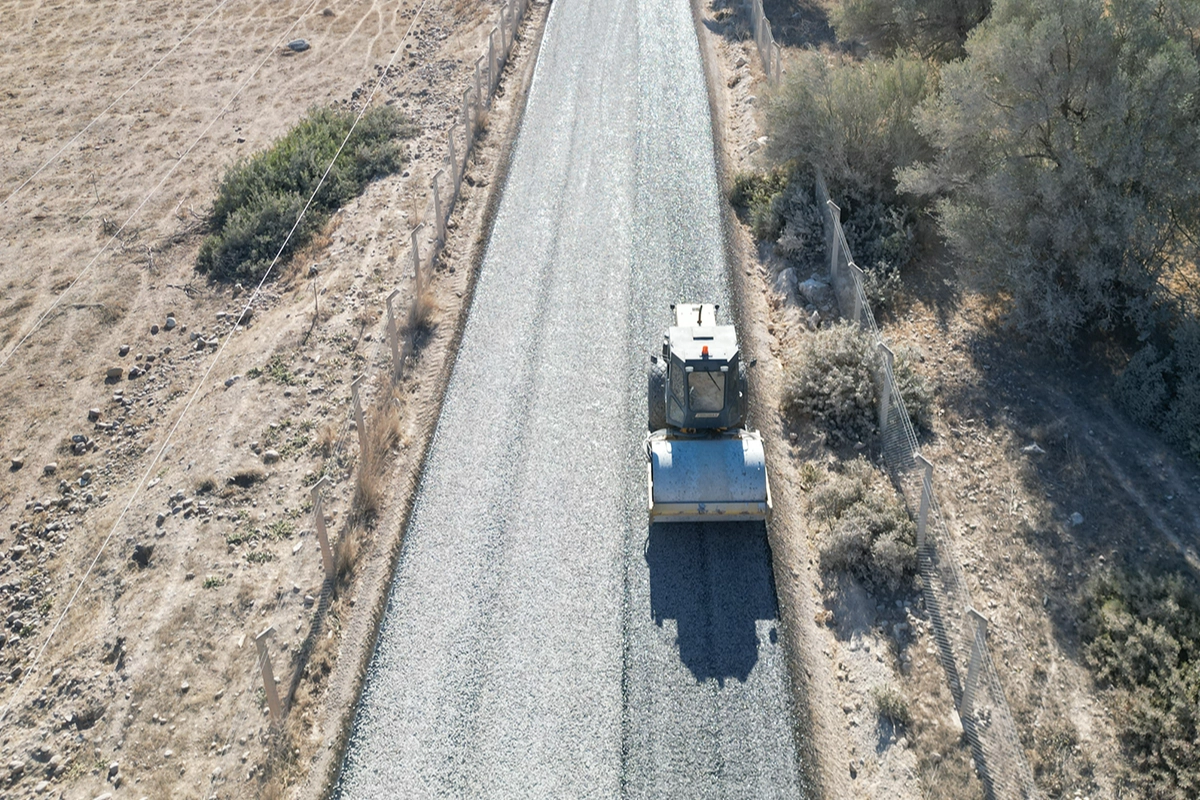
(868, 533)
(851, 120)
(259, 200)
(1162, 391)
(1141, 636)
(914, 390)
(891, 705)
(755, 195)
(829, 382)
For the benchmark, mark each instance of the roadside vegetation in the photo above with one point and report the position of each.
(260, 199)
(1049, 150)
(1141, 635)
(1050, 146)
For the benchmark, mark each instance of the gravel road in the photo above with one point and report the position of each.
(540, 641)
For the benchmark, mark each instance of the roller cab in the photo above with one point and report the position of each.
(703, 465)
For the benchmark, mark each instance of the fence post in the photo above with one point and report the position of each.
(439, 222)
(393, 335)
(885, 396)
(856, 281)
(478, 85)
(491, 56)
(418, 273)
(503, 26)
(453, 159)
(778, 62)
(358, 417)
(835, 218)
(467, 120)
(319, 521)
(268, 675)
(926, 499)
(979, 641)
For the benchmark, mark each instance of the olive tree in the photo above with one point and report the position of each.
(1066, 149)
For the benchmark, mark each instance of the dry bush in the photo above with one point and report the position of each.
(867, 531)
(829, 382)
(891, 706)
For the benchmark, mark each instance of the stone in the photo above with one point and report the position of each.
(309, 600)
(741, 62)
(160, 519)
(141, 554)
(123, 351)
(183, 687)
(170, 324)
(298, 45)
(50, 468)
(93, 414)
(817, 292)
(1077, 519)
(113, 769)
(153, 330)
(270, 457)
(113, 373)
(1033, 450)
(168, 753)
(17, 463)
(136, 372)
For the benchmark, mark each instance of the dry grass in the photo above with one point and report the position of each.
(347, 551)
(425, 313)
(327, 439)
(383, 434)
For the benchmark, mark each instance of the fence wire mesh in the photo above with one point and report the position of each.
(960, 633)
(768, 49)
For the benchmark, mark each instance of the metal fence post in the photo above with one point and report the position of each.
(268, 675)
(979, 640)
(319, 523)
(926, 499)
(856, 281)
(358, 416)
(778, 62)
(885, 396)
(835, 214)
(393, 335)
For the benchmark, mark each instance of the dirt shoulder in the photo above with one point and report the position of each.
(181, 488)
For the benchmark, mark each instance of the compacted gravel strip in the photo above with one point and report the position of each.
(540, 641)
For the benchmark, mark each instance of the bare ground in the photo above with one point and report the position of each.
(152, 667)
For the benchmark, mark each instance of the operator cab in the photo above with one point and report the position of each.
(705, 378)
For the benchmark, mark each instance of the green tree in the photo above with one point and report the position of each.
(1067, 149)
(934, 28)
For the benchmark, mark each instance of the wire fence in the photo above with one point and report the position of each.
(768, 49)
(959, 630)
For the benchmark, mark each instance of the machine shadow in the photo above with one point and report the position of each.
(715, 580)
